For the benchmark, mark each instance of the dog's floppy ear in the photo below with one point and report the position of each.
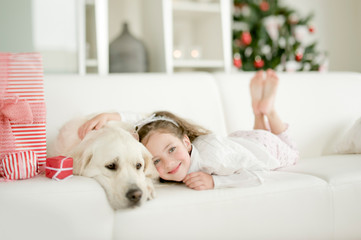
(149, 168)
(82, 158)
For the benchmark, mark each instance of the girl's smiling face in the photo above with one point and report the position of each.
(170, 154)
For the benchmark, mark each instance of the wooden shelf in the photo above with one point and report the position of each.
(196, 7)
(91, 63)
(187, 24)
(198, 63)
(100, 11)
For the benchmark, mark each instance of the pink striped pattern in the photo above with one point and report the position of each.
(20, 165)
(24, 75)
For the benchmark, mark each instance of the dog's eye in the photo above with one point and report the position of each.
(138, 166)
(111, 166)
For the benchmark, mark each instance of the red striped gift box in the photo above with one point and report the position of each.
(22, 105)
(20, 165)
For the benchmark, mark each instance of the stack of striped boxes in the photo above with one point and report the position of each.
(22, 116)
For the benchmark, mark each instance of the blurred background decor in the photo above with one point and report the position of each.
(127, 53)
(73, 36)
(267, 34)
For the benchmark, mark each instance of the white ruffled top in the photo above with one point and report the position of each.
(232, 161)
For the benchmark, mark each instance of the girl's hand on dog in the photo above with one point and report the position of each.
(96, 123)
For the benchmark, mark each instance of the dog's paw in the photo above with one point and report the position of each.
(151, 189)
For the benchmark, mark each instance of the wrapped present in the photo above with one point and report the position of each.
(22, 105)
(59, 168)
(20, 165)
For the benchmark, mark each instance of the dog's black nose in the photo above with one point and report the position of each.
(134, 195)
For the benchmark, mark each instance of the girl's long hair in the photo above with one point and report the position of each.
(184, 127)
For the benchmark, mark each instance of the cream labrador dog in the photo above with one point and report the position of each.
(112, 156)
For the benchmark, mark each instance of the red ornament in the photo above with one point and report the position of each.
(258, 62)
(299, 57)
(246, 38)
(311, 29)
(264, 6)
(237, 61)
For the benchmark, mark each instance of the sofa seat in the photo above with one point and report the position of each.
(277, 209)
(343, 174)
(43, 208)
(336, 169)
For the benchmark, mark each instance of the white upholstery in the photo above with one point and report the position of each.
(41, 208)
(193, 96)
(316, 199)
(343, 173)
(276, 210)
(318, 107)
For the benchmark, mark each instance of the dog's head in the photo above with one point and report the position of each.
(121, 164)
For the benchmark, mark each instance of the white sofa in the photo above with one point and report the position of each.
(319, 198)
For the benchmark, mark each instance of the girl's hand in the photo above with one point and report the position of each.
(96, 123)
(199, 181)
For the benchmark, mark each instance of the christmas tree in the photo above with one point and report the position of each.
(267, 35)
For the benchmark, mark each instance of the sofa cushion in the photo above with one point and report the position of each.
(182, 213)
(343, 173)
(319, 107)
(194, 96)
(76, 208)
(335, 169)
(351, 142)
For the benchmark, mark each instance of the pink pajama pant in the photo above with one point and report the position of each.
(280, 146)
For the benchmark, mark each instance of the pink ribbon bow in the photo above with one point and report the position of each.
(15, 111)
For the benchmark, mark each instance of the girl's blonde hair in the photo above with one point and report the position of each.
(184, 127)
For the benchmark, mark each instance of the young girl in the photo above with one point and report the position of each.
(185, 152)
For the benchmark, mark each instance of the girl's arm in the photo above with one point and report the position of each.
(204, 181)
(97, 122)
(101, 119)
(244, 178)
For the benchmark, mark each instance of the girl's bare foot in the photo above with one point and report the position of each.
(256, 87)
(266, 105)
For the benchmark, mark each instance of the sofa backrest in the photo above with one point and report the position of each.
(319, 107)
(194, 96)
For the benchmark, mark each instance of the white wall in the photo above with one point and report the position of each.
(338, 30)
(16, 30)
(54, 34)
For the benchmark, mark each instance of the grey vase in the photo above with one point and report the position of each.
(127, 54)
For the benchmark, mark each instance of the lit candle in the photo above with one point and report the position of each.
(178, 52)
(195, 52)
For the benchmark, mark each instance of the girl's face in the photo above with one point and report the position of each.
(170, 155)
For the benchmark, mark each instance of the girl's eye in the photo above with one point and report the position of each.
(171, 149)
(156, 161)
